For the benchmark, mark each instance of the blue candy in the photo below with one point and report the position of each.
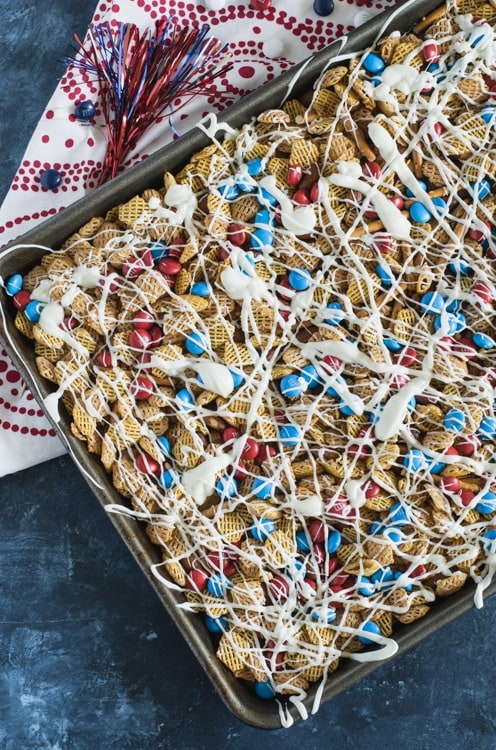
(487, 503)
(159, 250)
(310, 376)
(300, 279)
(333, 541)
(369, 627)
(215, 624)
(238, 379)
(185, 399)
(440, 204)
(292, 386)
(85, 110)
(393, 345)
(164, 444)
(262, 529)
(289, 434)
(254, 167)
(385, 275)
(450, 323)
(229, 192)
(487, 428)
(334, 313)
(264, 690)
(422, 184)
(262, 488)
(483, 341)
(488, 114)
(415, 460)
(167, 479)
(201, 289)
(373, 63)
(460, 267)
(226, 487)
(327, 615)
(419, 213)
(302, 542)
(50, 179)
(383, 576)
(482, 188)
(365, 586)
(263, 217)
(489, 541)
(433, 302)
(14, 284)
(454, 420)
(262, 238)
(33, 310)
(217, 584)
(393, 534)
(265, 197)
(196, 343)
(398, 515)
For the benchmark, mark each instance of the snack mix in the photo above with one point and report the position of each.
(285, 356)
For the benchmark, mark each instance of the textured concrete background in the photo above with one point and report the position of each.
(88, 657)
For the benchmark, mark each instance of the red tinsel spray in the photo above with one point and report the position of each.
(142, 74)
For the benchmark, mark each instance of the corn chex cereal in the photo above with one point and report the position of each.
(286, 357)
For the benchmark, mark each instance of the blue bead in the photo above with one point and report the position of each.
(334, 313)
(483, 341)
(262, 488)
(333, 541)
(419, 213)
(369, 627)
(50, 179)
(14, 284)
(289, 434)
(262, 529)
(292, 386)
(323, 7)
(201, 289)
(254, 166)
(421, 183)
(215, 624)
(196, 343)
(85, 111)
(217, 584)
(385, 275)
(226, 487)
(310, 376)
(262, 238)
(373, 63)
(185, 399)
(300, 279)
(454, 420)
(33, 310)
(481, 188)
(302, 543)
(433, 302)
(393, 345)
(164, 444)
(264, 690)
(487, 428)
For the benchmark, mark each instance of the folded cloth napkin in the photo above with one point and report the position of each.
(262, 44)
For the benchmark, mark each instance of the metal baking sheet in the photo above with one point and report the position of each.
(26, 251)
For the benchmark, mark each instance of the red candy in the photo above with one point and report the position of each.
(265, 453)
(477, 234)
(143, 319)
(371, 489)
(406, 357)
(314, 192)
(131, 269)
(450, 484)
(371, 170)
(229, 434)
(302, 197)
(236, 234)
(431, 52)
(196, 580)
(331, 363)
(398, 201)
(147, 465)
(142, 388)
(104, 358)
(483, 291)
(468, 445)
(278, 588)
(383, 243)
(466, 497)
(317, 531)
(21, 299)
(140, 338)
(250, 449)
(169, 266)
(294, 175)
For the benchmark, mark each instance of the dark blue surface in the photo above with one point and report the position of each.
(89, 659)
